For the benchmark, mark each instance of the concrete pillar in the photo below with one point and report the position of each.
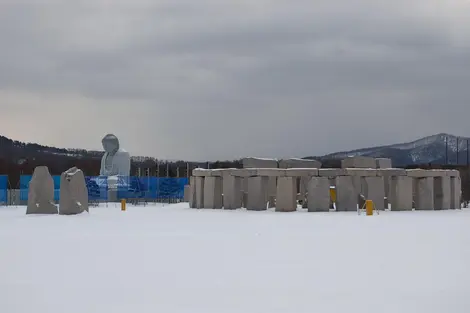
(271, 195)
(257, 190)
(442, 193)
(346, 194)
(245, 192)
(232, 186)
(401, 193)
(186, 193)
(456, 190)
(199, 188)
(375, 191)
(424, 193)
(318, 194)
(213, 193)
(303, 190)
(286, 196)
(192, 192)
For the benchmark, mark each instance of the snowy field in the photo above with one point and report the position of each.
(173, 259)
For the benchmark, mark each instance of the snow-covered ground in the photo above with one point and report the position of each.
(174, 259)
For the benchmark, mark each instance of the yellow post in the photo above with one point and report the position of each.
(333, 194)
(369, 207)
(123, 204)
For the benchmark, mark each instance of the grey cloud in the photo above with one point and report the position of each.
(265, 78)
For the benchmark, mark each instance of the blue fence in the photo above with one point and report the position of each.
(3, 189)
(150, 188)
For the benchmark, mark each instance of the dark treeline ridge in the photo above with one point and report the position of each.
(18, 158)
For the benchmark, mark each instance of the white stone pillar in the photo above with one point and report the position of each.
(192, 192)
(401, 193)
(375, 191)
(346, 194)
(456, 191)
(213, 192)
(257, 190)
(286, 196)
(424, 193)
(442, 193)
(199, 189)
(232, 186)
(318, 194)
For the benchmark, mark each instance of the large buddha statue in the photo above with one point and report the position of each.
(116, 161)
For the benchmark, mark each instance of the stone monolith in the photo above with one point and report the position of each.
(41, 192)
(73, 192)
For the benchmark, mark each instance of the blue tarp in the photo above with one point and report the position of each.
(3, 188)
(127, 187)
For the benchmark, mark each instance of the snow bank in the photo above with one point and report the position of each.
(173, 259)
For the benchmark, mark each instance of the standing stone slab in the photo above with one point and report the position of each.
(401, 193)
(299, 163)
(186, 193)
(251, 162)
(424, 193)
(272, 189)
(41, 193)
(456, 192)
(232, 187)
(199, 184)
(442, 193)
(375, 191)
(73, 192)
(358, 162)
(286, 196)
(257, 191)
(346, 194)
(213, 193)
(318, 198)
(383, 163)
(192, 192)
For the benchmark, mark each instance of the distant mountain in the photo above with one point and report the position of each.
(430, 149)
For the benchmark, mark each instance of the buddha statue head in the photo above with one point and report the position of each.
(110, 143)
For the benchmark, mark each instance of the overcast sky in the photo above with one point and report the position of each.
(205, 79)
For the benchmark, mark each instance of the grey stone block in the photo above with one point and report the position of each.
(244, 172)
(419, 173)
(332, 172)
(375, 191)
(201, 172)
(363, 172)
(299, 163)
(456, 192)
(199, 188)
(424, 193)
(299, 172)
(192, 192)
(346, 194)
(232, 196)
(213, 193)
(401, 193)
(383, 163)
(391, 172)
(73, 192)
(41, 192)
(358, 162)
(272, 190)
(257, 193)
(318, 198)
(286, 199)
(251, 162)
(442, 193)
(186, 193)
(270, 172)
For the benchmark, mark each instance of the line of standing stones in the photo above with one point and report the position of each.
(268, 183)
(73, 192)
